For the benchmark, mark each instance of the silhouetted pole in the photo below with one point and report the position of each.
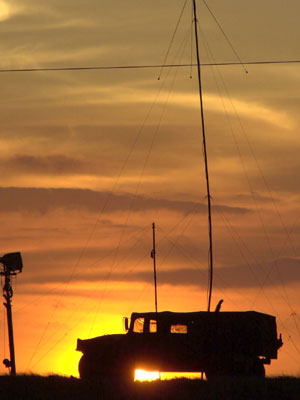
(7, 294)
(153, 255)
(205, 161)
(12, 265)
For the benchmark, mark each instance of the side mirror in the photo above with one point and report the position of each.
(126, 324)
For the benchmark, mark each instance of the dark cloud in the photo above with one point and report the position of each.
(40, 200)
(245, 198)
(278, 273)
(57, 164)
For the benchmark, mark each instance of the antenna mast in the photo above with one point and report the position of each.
(205, 159)
(153, 255)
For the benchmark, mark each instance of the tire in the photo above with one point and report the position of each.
(87, 368)
(258, 369)
(125, 375)
(231, 368)
(104, 372)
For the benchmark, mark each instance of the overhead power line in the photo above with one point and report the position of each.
(111, 67)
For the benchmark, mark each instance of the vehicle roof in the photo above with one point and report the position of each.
(195, 314)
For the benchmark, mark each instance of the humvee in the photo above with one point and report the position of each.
(216, 343)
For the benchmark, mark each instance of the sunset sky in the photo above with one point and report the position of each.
(89, 159)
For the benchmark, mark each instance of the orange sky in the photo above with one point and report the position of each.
(91, 158)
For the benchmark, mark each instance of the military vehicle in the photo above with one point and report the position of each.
(216, 343)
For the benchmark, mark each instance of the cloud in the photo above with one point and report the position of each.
(243, 198)
(280, 272)
(276, 273)
(235, 106)
(58, 164)
(40, 200)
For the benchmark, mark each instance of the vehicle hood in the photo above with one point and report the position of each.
(86, 345)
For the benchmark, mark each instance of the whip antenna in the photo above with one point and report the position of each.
(205, 160)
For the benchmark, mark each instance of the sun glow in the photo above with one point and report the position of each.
(5, 10)
(142, 375)
(165, 376)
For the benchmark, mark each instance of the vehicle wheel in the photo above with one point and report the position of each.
(126, 375)
(104, 371)
(210, 374)
(217, 371)
(236, 369)
(258, 369)
(87, 368)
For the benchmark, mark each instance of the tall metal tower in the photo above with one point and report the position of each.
(11, 265)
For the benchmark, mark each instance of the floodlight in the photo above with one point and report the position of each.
(12, 263)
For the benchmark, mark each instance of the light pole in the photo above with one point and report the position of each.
(12, 265)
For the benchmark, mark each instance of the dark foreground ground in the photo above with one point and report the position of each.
(35, 387)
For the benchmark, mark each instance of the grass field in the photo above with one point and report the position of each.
(36, 387)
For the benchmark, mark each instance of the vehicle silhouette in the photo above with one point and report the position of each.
(217, 343)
